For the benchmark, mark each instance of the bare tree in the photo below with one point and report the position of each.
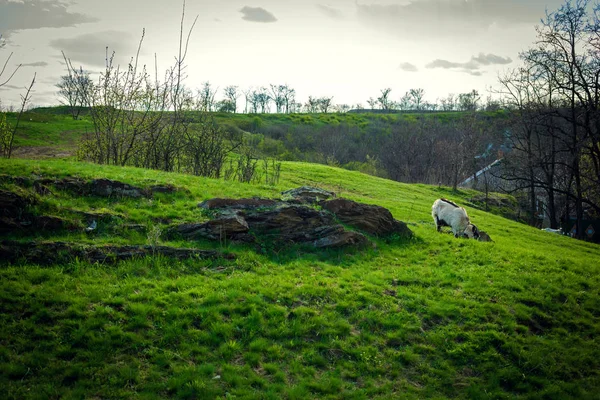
(343, 108)
(289, 98)
(74, 90)
(556, 97)
(372, 103)
(263, 99)
(405, 102)
(384, 100)
(251, 101)
(469, 101)
(448, 103)
(416, 96)
(231, 95)
(7, 135)
(312, 105)
(324, 104)
(206, 97)
(6, 79)
(138, 121)
(277, 93)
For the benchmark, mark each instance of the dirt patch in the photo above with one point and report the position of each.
(42, 152)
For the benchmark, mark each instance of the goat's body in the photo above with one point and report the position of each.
(447, 213)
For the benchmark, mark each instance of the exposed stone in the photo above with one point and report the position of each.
(238, 204)
(372, 219)
(294, 221)
(69, 184)
(346, 238)
(12, 204)
(98, 187)
(290, 223)
(57, 252)
(108, 188)
(41, 189)
(307, 194)
(163, 189)
(18, 180)
(47, 222)
(220, 228)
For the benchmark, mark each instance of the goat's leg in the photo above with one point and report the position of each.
(438, 226)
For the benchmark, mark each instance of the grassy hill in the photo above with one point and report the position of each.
(433, 317)
(51, 131)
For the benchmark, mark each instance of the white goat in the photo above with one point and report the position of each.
(446, 213)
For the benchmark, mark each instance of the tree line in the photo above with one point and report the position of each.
(281, 99)
(554, 99)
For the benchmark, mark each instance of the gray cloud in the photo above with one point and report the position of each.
(432, 18)
(257, 14)
(36, 64)
(487, 59)
(35, 14)
(408, 67)
(473, 66)
(330, 11)
(90, 48)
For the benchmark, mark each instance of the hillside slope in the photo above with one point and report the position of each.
(433, 317)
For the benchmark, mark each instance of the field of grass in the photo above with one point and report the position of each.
(433, 317)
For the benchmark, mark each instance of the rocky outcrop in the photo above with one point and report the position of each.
(237, 204)
(108, 188)
(163, 189)
(12, 204)
(95, 187)
(307, 194)
(220, 228)
(341, 239)
(251, 221)
(50, 223)
(376, 220)
(72, 185)
(301, 224)
(59, 252)
(302, 217)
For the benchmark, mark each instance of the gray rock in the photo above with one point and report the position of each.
(346, 238)
(108, 188)
(12, 204)
(372, 219)
(307, 194)
(237, 204)
(219, 228)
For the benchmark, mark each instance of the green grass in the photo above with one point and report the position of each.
(434, 317)
(49, 130)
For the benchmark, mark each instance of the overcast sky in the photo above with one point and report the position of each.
(348, 49)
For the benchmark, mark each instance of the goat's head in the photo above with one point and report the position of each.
(471, 231)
